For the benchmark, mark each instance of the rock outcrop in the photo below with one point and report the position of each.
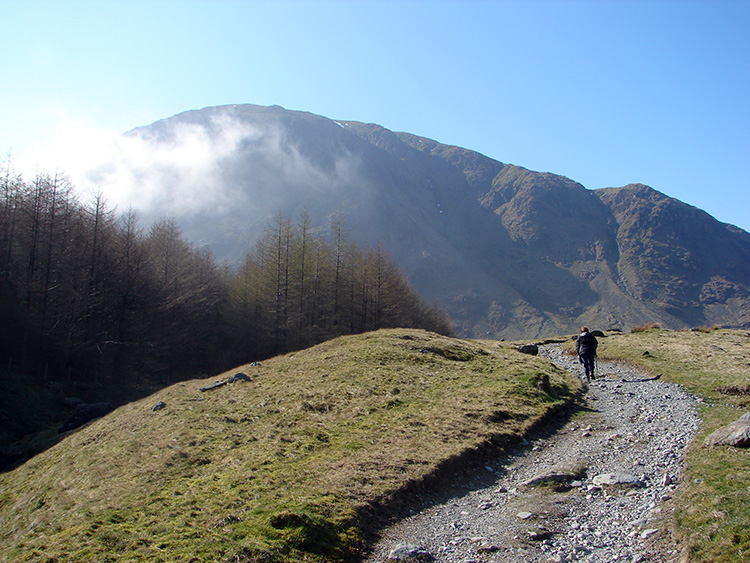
(735, 434)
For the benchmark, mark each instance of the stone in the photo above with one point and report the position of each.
(736, 434)
(617, 480)
(524, 515)
(531, 349)
(539, 535)
(158, 406)
(562, 474)
(238, 377)
(213, 386)
(409, 552)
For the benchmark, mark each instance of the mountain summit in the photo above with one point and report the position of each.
(507, 251)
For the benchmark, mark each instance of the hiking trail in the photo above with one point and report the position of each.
(608, 475)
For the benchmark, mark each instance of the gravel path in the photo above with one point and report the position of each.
(634, 432)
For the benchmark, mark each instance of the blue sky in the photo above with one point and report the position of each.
(604, 92)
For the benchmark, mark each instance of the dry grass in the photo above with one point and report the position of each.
(712, 507)
(280, 468)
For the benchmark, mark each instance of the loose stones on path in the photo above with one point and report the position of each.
(630, 444)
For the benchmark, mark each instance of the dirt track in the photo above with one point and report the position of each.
(635, 430)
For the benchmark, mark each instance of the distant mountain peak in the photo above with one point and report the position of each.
(508, 251)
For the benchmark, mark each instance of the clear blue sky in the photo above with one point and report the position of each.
(604, 92)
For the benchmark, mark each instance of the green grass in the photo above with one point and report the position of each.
(285, 467)
(712, 504)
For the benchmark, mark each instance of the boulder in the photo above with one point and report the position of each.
(215, 385)
(617, 480)
(239, 376)
(735, 434)
(531, 349)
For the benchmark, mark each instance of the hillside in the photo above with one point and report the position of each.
(507, 251)
(299, 462)
(287, 466)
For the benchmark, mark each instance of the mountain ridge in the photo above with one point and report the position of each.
(509, 252)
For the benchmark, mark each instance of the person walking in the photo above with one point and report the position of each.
(586, 344)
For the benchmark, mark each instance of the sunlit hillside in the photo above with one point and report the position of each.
(284, 467)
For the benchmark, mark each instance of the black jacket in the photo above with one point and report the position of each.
(586, 344)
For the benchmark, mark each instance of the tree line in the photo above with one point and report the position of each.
(86, 294)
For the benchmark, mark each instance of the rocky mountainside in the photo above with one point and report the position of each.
(507, 251)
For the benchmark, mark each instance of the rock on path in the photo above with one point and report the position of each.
(592, 491)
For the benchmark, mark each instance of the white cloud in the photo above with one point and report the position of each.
(224, 168)
(132, 170)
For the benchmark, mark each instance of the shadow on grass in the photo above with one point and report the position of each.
(36, 415)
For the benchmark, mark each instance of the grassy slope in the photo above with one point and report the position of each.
(712, 507)
(277, 469)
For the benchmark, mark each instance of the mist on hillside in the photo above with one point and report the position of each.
(510, 252)
(222, 166)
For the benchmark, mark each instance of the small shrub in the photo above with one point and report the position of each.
(734, 390)
(705, 329)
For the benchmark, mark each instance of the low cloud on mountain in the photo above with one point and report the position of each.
(219, 165)
(507, 251)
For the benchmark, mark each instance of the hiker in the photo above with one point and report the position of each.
(586, 344)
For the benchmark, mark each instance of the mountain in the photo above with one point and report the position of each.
(509, 252)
